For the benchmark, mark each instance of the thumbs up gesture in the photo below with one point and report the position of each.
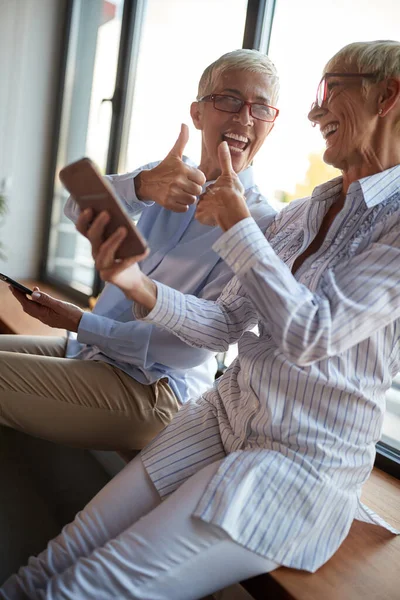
(172, 184)
(223, 203)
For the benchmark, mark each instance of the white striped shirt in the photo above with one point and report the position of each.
(301, 408)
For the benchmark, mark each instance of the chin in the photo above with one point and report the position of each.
(239, 163)
(330, 158)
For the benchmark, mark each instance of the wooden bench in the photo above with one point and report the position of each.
(366, 566)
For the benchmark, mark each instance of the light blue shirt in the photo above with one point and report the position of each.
(181, 257)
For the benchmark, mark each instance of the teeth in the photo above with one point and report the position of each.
(235, 136)
(234, 149)
(328, 129)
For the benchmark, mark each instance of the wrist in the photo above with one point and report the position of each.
(76, 321)
(141, 185)
(145, 293)
(228, 219)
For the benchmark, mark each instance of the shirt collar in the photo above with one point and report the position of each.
(327, 190)
(377, 188)
(374, 188)
(247, 178)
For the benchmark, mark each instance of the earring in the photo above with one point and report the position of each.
(380, 111)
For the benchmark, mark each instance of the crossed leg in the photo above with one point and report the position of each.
(83, 403)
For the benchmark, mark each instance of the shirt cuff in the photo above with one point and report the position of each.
(169, 310)
(125, 188)
(242, 246)
(87, 325)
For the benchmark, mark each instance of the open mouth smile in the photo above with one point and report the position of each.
(329, 130)
(237, 143)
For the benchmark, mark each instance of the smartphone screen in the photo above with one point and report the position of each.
(16, 284)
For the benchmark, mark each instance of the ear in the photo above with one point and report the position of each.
(390, 95)
(196, 112)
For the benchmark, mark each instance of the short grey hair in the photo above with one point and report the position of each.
(246, 60)
(381, 57)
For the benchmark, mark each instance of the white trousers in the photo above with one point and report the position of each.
(126, 544)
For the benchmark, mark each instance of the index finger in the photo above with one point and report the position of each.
(224, 157)
(84, 220)
(20, 296)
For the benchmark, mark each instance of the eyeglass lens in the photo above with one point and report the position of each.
(234, 105)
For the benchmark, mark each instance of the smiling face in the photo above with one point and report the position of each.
(348, 120)
(244, 134)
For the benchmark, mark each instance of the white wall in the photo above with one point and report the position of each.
(30, 38)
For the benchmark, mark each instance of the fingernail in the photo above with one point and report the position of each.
(36, 295)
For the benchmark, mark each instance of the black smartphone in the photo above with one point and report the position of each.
(15, 284)
(90, 190)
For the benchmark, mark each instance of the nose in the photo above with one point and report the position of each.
(315, 114)
(243, 116)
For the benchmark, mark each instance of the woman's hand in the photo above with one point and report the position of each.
(223, 203)
(173, 184)
(49, 310)
(124, 273)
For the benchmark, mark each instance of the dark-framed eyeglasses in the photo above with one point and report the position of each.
(323, 90)
(230, 104)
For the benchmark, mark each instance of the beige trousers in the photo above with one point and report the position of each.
(82, 403)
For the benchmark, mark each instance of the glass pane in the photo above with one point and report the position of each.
(179, 39)
(293, 153)
(85, 126)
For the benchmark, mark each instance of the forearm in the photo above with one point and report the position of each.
(201, 323)
(352, 302)
(120, 338)
(142, 291)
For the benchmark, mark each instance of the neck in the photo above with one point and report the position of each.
(372, 163)
(211, 173)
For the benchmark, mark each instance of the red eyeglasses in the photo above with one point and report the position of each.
(230, 104)
(324, 89)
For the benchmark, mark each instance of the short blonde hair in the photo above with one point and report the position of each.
(246, 60)
(381, 57)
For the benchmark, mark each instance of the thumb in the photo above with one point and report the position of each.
(224, 157)
(42, 298)
(181, 142)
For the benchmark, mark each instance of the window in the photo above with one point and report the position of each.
(84, 128)
(179, 39)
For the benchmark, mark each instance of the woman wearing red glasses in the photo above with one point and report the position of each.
(266, 468)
